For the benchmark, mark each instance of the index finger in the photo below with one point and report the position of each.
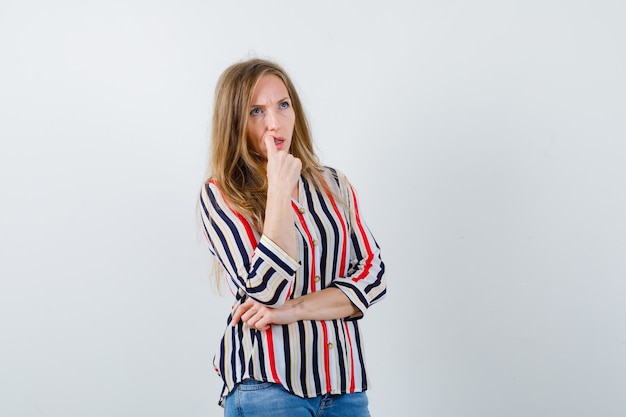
(270, 146)
(241, 309)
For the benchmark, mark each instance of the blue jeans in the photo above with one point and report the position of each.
(265, 399)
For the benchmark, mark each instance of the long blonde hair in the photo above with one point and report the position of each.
(240, 172)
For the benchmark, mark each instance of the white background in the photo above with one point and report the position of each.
(487, 142)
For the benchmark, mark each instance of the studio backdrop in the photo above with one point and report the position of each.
(485, 139)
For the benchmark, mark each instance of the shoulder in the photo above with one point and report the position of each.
(338, 184)
(209, 187)
(211, 195)
(211, 183)
(334, 177)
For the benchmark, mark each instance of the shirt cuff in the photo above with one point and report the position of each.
(354, 294)
(277, 257)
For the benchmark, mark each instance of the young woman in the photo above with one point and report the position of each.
(299, 260)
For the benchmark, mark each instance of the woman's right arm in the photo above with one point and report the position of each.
(283, 172)
(257, 265)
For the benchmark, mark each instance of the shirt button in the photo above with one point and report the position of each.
(330, 346)
(301, 210)
(317, 278)
(315, 243)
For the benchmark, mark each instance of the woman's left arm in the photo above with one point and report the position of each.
(364, 283)
(327, 304)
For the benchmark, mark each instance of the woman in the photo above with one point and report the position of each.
(300, 262)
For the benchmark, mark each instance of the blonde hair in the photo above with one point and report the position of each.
(240, 172)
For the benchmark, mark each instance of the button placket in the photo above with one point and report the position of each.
(312, 229)
(316, 250)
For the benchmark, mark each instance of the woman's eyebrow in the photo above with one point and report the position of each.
(278, 101)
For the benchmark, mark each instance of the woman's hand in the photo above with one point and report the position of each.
(283, 169)
(259, 316)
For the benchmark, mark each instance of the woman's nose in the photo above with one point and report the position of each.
(271, 119)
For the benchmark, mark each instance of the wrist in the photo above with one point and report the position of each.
(278, 190)
(295, 309)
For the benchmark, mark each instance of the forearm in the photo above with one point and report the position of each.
(278, 223)
(328, 304)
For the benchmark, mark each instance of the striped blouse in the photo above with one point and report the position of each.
(335, 249)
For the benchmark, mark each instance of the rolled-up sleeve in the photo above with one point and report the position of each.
(253, 262)
(365, 282)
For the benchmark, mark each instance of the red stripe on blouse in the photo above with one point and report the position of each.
(270, 348)
(368, 248)
(326, 358)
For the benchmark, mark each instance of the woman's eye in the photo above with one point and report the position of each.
(284, 105)
(255, 111)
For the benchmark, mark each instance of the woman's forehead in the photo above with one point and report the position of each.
(269, 85)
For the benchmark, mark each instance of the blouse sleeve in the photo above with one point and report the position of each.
(258, 266)
(364, 283)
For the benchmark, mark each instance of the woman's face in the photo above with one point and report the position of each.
(271, 114)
